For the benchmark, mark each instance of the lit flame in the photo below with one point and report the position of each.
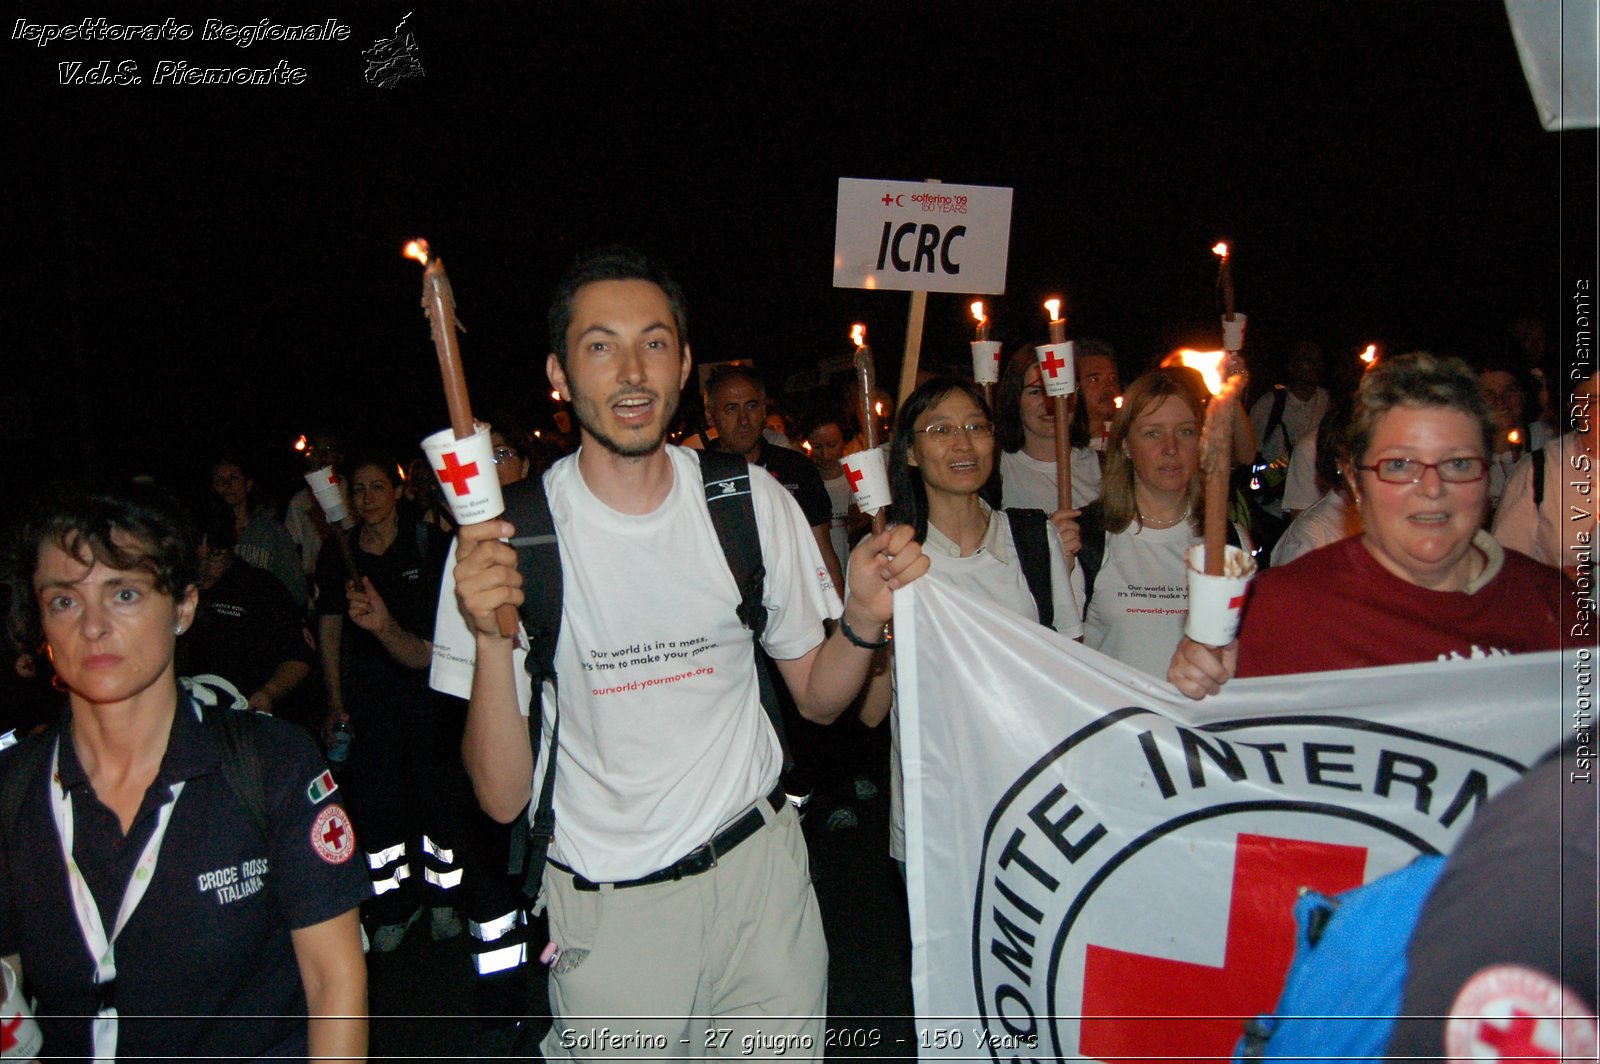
(977, 312)
(1209, 363)
(805, 445)
(417, 249)
(538, 435)
(1221, 249)
(301, 444)
(1514, 437)
(1117, 402)
(858, 334)
(1053, 308)
(877, 408)
(1370, 355)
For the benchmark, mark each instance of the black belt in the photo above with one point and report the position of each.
(701, 858)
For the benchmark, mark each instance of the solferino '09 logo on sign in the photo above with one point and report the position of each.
(1175, 898)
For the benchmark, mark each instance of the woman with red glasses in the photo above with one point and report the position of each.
(1423, 581)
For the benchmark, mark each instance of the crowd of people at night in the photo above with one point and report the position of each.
(1403, 510)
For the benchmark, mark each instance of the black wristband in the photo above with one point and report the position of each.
(855, 640)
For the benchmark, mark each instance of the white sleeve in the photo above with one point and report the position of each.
(455, 651)
(799, 594)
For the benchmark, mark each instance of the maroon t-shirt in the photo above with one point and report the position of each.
(1337, 608)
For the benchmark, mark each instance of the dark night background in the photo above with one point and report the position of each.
(194, 267)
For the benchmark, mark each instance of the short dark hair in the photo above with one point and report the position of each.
(215, 525)
(909, 505)
(1418, 380)
(723, 372)
(83, 522)
(616, 262)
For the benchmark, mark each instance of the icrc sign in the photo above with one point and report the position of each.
(921, 237)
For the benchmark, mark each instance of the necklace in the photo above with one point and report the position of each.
(1145, 522)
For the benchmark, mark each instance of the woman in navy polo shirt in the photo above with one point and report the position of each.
(185, 888)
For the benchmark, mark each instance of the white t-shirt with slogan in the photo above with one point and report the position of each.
(1141, 597)
(663, 737)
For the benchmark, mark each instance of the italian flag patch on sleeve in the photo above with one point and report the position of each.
(321, 787)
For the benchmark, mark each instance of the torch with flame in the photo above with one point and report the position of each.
(439, 304)
(1216, 442)
(1369, 357)
(1225, 277)
(981, 318)
(871, 409)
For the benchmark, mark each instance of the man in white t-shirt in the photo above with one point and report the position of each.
(665, 749)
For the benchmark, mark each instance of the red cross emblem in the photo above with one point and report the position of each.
(1236, 603)
(1515, 1039)
(331, 836)
(1267, 875)
(855, 476)
(8, 1033)
(1051, 363)
(1510, 1012)
(455, 474)
(888, 200)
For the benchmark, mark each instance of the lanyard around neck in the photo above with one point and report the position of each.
(104, 1030)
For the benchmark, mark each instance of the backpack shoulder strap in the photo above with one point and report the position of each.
(1537, 456)
(727, 484)
(539, 562)
(19, 767)
(236, 731)
(1092, 549)
(733, 513)
(1029, 528)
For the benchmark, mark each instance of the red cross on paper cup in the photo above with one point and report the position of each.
(329, 493)
(465, 469)
(1217, 602)
(986, 361)
(1058, 371)
(869, 480)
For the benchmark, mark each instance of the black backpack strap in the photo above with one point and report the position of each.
(539, 562)
(733, 513)
(1028, 531)
(1537, 457)
(1092, 548)
(241, 758)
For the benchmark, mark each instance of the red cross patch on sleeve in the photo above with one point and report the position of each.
(332, 836)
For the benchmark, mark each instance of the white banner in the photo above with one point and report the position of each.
(920, 237)
(1088, 849)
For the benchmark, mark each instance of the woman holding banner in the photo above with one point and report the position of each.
(1423, 581)
(1150, 513)
(940, 462)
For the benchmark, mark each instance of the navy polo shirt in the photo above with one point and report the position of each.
(205, 966)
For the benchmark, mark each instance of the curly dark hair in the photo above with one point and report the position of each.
(155, 531)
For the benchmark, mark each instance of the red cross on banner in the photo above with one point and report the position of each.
(455, 474)
(8, 1033)
(334, 835)
(1267, 876)
(1052, 364)
(1515, 1039)
(855, 476)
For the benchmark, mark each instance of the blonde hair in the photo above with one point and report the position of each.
(1117, 498)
